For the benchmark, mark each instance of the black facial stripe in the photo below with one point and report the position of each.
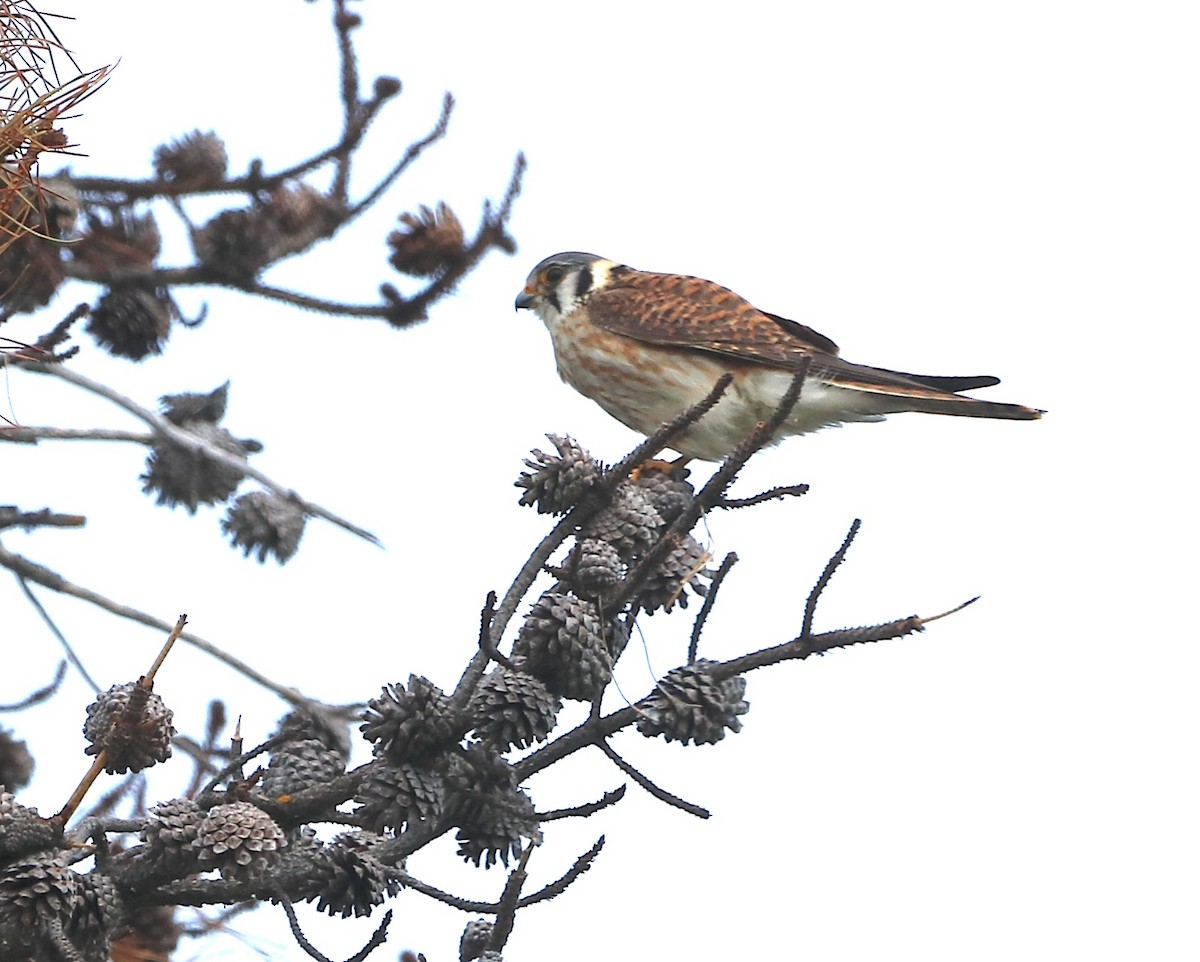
(552, 297)
(583, 282)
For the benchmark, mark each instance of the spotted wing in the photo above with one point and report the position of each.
(692, 313)
(679, 311)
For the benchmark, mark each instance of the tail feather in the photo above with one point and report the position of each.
(954, 384)
(896, 391)
(969, 407)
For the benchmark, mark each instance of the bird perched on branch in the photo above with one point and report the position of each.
(647, 346)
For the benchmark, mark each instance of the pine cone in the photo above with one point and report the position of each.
(170, 830)
(429, 243)
(263, 523)
(492, 813)
(563, 642)
(557, 482)
(22, 830)
(38, 890)
(596, 568)
(630, 524)
(189, 406)
(190, 478)
(511, 709)
(240, 839)
(392, 796)
(684, 565)
(474, 940)
(689, 705)
(195, 161)
(31, 268)
(237, 244)
(409, 724)
(668, 495)
(124, 241)
(132, 321)
(131, 725)
(97, 915)
(353, 881)
(16, 764)
(302, 214)
(298, 765)
(306, 723)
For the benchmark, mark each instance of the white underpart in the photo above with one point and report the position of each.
(644, 386)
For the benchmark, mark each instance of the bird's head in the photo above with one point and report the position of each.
(562, 282)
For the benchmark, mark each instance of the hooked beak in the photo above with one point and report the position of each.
(524, 300)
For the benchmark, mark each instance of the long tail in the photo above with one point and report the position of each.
(928, 393)
(969, 407)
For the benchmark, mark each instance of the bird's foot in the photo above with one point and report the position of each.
(676, 469)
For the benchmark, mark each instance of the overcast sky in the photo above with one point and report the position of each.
(945, 188)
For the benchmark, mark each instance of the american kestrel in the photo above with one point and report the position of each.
(646, 346)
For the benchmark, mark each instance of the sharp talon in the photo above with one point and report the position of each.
(675, 469)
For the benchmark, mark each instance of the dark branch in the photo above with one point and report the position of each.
(583, 811)
(660, 793)
(554, 889)
(42, 694)
(67, 648)
(810, 606)
(710, 599)
(783, 491)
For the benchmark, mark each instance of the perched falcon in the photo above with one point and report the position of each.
(647, 346)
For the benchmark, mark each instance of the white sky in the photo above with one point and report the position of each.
(945, 188)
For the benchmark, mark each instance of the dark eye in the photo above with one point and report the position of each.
(554, 274)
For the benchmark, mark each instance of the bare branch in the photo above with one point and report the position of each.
(486, 644)
(72, 657)
(506, 913)
(11, 517)
(25, 434)
(414, 151)
(377, 938)
(783, 491)
(810, 606)
(42, 693)
(710, 599)
(556, 888)
(583, 811)
(660, 793)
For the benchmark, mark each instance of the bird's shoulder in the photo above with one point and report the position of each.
(682, 310)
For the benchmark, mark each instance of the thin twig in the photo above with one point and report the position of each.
(486, 643)
(454, 901)
(377, 938)
(583, 811)
(660, 793)
(506, 914)
(12, 517)
(414, 151)
(710, 598)
(783, 491)
(42, 693)
(810, 605)
(148, 678)
(556, 888)
(54, 630)
(318, 304)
